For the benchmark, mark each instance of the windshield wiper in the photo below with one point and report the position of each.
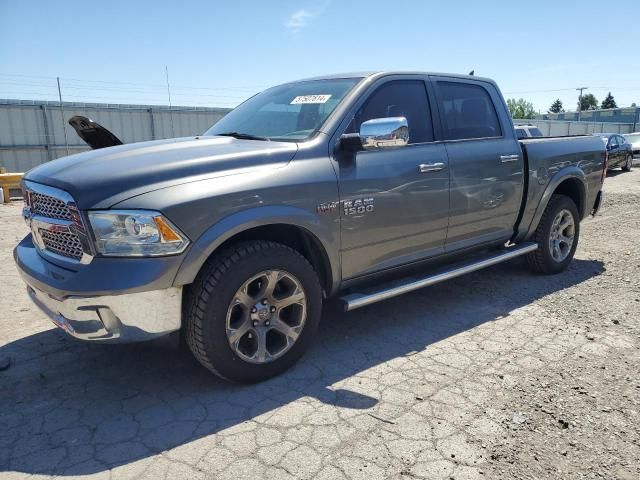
(243, 136)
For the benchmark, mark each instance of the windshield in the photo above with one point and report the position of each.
(291, 112)
(535, 132)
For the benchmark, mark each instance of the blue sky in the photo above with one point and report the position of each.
(218, 53)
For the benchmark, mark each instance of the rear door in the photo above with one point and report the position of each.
(615, 157)
(485, 162)
(395, 201)
(624, 150)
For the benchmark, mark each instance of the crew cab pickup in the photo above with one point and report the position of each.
(358, 186)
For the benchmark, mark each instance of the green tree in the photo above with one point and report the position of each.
(588, 102)
(633, 104)
(609, 102)
(520, 108)
(556, 107)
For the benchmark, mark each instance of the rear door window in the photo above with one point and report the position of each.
(467, 111)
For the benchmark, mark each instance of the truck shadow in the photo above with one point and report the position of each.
(68, 408)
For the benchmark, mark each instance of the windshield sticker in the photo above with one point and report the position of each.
(310, 99)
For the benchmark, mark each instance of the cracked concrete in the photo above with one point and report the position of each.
(499, 374)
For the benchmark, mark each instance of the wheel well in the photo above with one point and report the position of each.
(573, 188)
(294, 237)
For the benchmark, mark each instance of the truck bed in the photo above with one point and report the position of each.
(546, 158)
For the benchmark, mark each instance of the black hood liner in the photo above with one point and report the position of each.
(94, 134)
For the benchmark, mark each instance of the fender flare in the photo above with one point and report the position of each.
(202, 248)
(566, 173)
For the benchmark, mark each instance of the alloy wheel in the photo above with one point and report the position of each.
(562, 235)
(266, 316)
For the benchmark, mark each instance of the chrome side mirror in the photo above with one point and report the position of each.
(388, 132)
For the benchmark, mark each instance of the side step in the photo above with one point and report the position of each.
(360, 299)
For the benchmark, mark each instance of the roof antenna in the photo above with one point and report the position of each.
(471, 72)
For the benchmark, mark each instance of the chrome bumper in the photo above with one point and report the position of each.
(597, 206)
(119, 318)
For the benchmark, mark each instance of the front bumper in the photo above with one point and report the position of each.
(118, 300)
(132, 317)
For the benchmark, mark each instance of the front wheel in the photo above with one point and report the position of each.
(557, 236)
(253, 311)
(628, 164)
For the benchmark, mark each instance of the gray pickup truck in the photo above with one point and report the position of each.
(359, 187)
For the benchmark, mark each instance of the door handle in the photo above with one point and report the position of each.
(509, 158)
(430, 167)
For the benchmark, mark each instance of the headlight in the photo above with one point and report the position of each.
(135, 233)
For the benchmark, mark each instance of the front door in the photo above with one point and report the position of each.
(392, 210)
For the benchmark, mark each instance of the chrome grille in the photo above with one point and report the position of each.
(50, 207)
(56, 225)
(63, 243)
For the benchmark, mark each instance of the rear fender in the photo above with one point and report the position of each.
(566, 173)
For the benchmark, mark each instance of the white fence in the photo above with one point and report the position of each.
(553, 128)
(32, 133)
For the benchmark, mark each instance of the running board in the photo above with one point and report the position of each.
(360, 299)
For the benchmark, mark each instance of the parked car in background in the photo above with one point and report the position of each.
(634, 140)
(619, 150)
(527, 131)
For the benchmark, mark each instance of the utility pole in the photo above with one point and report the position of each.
(64, 128)
(580, 100)
(173, 133)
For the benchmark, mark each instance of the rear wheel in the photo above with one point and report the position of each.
(628, 163)
(253, 311)
(557, 236)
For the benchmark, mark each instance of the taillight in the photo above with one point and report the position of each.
(605, 164)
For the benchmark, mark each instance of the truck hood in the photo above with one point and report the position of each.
(102, 178)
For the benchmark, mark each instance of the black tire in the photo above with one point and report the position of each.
(628, 164)
(541, 260)
(208, 299)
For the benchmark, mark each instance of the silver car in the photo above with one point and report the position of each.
(634, 140)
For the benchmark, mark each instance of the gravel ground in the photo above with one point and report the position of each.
(500, 374)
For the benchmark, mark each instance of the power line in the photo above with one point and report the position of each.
(26, 76)
(30, 84)
(65, 80)
(129, 90)
(571, 89)
(131, 97)
(540, 91)
(123, 90)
